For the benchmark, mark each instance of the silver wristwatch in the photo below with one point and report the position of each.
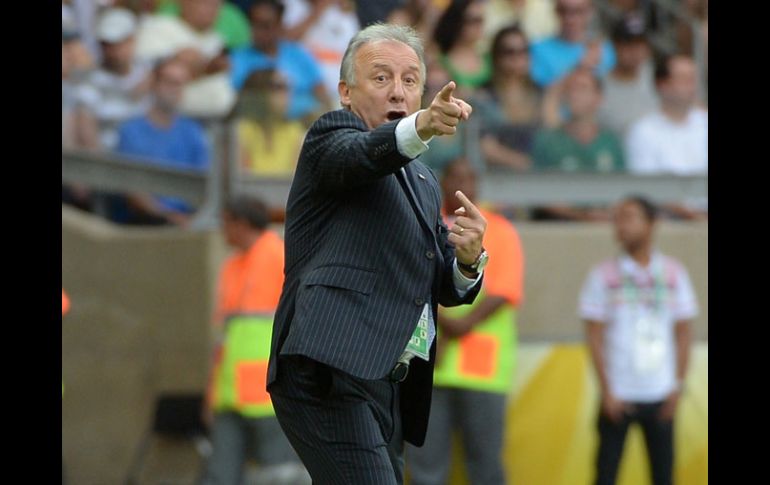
(476, 266)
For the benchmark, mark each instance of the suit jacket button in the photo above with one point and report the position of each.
(419, 301)
(429, 254)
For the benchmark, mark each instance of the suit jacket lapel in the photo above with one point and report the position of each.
(406, 184)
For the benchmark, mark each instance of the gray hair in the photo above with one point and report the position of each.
(379, 32)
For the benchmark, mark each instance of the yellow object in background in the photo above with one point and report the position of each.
(551, 436)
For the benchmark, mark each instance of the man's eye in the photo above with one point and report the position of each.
(410, 81)
(380, 78)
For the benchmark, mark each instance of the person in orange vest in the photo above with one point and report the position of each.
(238, 407)
(476, 354)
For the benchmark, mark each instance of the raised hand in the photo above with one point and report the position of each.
(467, 233)
(443, 115)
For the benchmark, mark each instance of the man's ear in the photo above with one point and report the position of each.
(344, 91)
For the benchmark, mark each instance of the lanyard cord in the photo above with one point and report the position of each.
(633, 294)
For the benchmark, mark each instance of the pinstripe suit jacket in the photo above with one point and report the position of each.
(361, 260)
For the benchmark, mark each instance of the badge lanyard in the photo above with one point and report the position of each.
(648, 316)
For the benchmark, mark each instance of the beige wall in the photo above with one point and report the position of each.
(139, 324)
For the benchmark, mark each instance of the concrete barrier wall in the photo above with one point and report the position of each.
(141, 300)
(137, 326)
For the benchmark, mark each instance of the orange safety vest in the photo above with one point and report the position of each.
(484, 359)
(249, 289)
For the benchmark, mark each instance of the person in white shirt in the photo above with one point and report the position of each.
(192, 38)
(638, 308)
(674, 138)
(324, 27)
(117, 90)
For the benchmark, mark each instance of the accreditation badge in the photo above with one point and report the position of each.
(649, 343)
(419, 342)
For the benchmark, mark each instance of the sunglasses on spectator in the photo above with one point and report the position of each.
(510, 51)
(474, 20)
(278, 85)
(258, 24)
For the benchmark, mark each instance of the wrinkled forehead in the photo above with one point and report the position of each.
(387, 53)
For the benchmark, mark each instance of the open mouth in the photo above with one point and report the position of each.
(395, 115)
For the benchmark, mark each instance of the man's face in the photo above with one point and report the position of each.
(169, 85)
(582, 93)
(681, 87)
(631, 54)
(387, 83)
(574, 16)
(632, 228)
(118, 55)
(265, 26)
(458, 176)
(200, 14)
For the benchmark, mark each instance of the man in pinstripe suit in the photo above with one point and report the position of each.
(368, 259)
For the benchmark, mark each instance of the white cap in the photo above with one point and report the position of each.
(115, 25)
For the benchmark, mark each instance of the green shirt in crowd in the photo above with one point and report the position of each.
(464, 79)
(231, 23)
(557, 150)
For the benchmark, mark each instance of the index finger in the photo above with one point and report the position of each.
(470, 210)
(446, 92)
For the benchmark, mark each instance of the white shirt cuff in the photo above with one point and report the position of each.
(462, 282)
(408, 141)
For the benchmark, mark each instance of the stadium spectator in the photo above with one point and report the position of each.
(581, 144)
(239, 410)
(193, 39)
(536, 18)
(323, 27)
(698, 10)
(371, 11)
(638, 308)
(268, 142)
(164, 138)
(476, 355)
(83, 14)
(457, 35)
(673, 139)
(270, 49)
(118, 89)
(574, 46)
(629, 91)
(231, 23)
(76, 62)
(510, 106)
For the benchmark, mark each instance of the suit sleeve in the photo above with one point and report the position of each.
(341, 153)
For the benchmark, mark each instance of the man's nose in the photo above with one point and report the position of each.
(397, 93)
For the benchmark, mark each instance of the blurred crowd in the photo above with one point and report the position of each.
(556, 85)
